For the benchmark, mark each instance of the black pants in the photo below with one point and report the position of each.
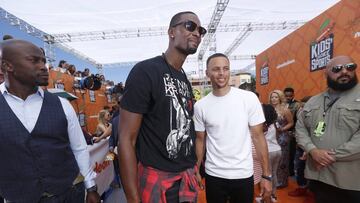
(325, 193)
(219, 190)
(172, 194)
(75, 194)
(292, 152)
(300, 168)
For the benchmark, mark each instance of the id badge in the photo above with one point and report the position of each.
(320, 129)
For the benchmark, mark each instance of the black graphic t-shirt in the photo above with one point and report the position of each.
(166, 139)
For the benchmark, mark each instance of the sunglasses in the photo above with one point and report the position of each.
(349, 67)
(191, 26)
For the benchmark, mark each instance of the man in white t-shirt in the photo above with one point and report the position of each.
(224, 118)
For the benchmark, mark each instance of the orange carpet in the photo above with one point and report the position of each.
(281, 193)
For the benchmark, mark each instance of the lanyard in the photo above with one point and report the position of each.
(177, 94)
(320, 126)
(329, 105)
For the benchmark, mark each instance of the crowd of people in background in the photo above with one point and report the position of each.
(163, 136)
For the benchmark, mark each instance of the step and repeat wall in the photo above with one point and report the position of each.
(298, 60)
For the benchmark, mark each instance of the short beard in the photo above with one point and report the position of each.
(42, 83)
(187, 51)
(191, 51)
(333, 84)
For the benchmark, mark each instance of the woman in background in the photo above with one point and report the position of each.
(283, 123)
(103, 129)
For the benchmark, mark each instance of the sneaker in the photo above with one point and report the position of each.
(259, 200)
(273, 198)
(298, 192)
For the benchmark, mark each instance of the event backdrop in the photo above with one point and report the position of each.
(298, 59)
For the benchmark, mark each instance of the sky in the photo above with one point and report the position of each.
(115, 74)
(113, 16)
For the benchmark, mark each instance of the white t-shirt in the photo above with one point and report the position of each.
(226, 120)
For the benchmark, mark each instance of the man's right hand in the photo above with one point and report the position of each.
(92, 197)
(199, 181)
(322, 156)
(266, 189)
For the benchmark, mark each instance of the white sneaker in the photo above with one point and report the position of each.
(273, 198)
(259, 200)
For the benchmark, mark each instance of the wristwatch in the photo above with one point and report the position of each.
(269, 178)
(92, 189)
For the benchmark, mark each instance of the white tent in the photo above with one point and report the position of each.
(91, 16)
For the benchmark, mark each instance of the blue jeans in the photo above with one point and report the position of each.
(300, 168)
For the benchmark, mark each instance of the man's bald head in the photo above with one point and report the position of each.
(10, 48)
(23, 63)
(339, 60)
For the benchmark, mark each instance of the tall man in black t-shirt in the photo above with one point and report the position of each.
(157, 137)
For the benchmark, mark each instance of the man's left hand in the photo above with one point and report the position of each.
(266, 189)
(199, 180)
(92, 197)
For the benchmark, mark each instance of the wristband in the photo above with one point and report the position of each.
(92, 189)
(268, 178)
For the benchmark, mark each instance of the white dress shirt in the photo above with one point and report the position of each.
(28, 110)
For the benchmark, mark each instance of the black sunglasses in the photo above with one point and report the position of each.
(349, 67)
(191, 26)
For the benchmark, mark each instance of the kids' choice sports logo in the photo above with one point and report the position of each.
(321, 49)
(324, 30)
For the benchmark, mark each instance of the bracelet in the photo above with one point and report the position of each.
(92, 189)
(268, 178)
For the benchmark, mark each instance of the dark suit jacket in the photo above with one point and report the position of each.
(113, 140)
